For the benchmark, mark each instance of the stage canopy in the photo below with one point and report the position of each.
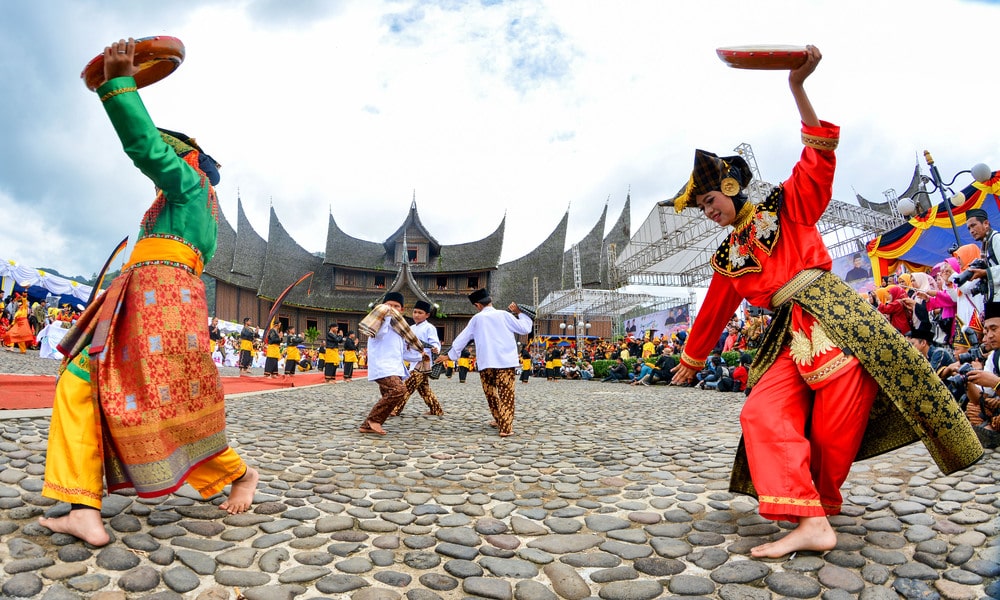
(924, 240)
(27, 277)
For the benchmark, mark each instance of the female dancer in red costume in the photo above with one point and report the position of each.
(832, 381)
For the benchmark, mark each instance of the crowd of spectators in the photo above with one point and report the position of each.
(950, 316)
(650, 359)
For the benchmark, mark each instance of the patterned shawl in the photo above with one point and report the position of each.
(373, 321)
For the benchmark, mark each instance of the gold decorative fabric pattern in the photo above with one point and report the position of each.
(735, 256)
(820, 143)
(827, 370)
(805, 347)
(912, 403)
(791, 501)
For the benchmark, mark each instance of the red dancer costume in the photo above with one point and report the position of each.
(832, 381)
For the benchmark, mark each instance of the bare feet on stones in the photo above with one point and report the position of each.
(83, 523)
(241, 493)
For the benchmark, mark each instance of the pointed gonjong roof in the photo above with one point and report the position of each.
(239, 256)
(591, 248)
(618, 237)
(284, 263)
(345, 250)
(512, 282)
(244, 259)
(411, 223)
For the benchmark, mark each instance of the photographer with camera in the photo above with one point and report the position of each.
(987, 269)
(981, 376)
(922, 339)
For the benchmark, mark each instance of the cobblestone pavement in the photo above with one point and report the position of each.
(606, 490)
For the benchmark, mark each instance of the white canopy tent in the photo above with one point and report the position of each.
(11, 272)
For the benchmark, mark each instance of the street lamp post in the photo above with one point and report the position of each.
(576, 327)
(980, 173)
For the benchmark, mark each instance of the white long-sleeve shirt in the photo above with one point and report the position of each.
(386, 352)
(427, 334)
(494, 331)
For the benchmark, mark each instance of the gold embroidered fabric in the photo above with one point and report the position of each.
(735, 256)
(912, 403)
(790, 501)
(795, 285)
(827, 371)
(805, 347)
(114, 93)
(690, 361)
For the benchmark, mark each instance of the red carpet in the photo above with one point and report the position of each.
(18, 392)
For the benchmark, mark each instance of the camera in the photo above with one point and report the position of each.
(974, 353)
(981, 287)
(964, 277)
(959, 380)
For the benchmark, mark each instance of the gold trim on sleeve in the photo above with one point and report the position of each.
(114, 93)
(820, 143)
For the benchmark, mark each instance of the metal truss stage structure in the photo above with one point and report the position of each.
(593, 303)
(673, 250)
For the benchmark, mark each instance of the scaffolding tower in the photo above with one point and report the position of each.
(673, 249)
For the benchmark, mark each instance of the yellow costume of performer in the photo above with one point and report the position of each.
(141, 393)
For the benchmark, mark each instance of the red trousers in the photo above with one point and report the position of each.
(802, 439)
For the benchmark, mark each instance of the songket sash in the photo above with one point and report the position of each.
(161, 399)
(912, 403)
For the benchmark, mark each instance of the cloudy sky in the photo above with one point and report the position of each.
(478, 108)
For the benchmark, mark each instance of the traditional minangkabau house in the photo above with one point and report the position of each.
(249, 272)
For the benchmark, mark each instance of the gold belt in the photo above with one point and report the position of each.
(795, 285)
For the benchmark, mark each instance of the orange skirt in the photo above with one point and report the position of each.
(160, 394)
(20, 332)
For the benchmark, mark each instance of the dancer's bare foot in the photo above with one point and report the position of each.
(241, 493)
(493, 424)
(83, 523)
(372, 427)
(813, 533)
